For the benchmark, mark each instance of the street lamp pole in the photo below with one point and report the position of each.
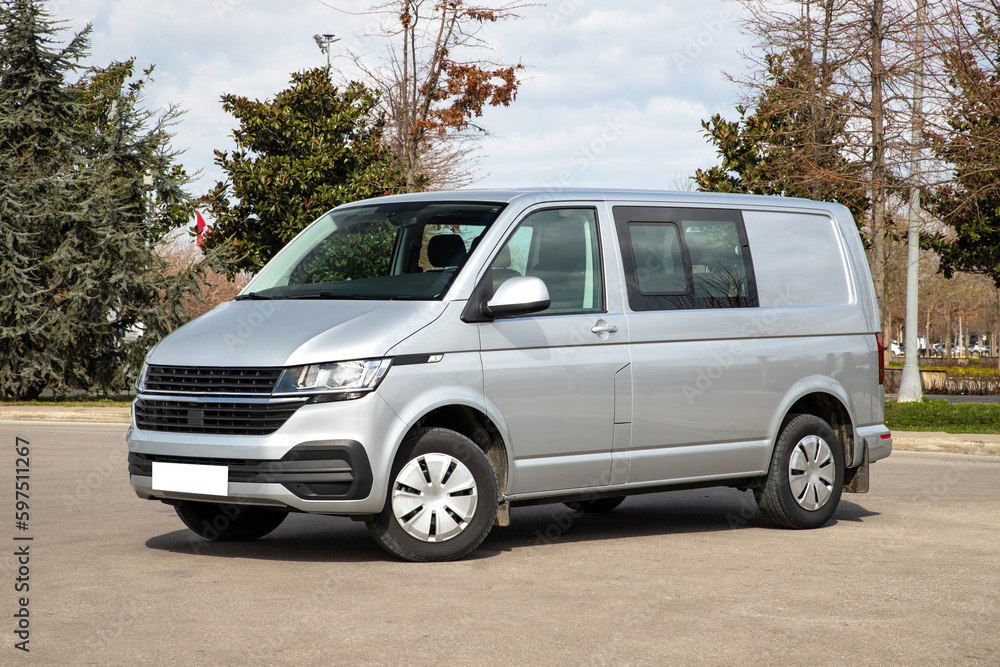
(323, 42)
(910, 388)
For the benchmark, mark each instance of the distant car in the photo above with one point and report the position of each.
(897, 348)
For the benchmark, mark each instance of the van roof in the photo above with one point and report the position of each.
(528, 196)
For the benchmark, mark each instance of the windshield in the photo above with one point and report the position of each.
(407, 250)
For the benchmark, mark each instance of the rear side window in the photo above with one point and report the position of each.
(801, 259)
(659, 262)
(678, 258)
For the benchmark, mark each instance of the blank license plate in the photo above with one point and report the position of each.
(190, 478)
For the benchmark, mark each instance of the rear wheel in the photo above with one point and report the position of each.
(442, 498)
(806, 477)
(228, 523)
(598, 506)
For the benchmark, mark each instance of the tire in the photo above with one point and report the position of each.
(806, 476)
(598, 506)
(442, 498)
(228, 523)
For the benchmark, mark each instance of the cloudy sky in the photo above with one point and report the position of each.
(614, 91)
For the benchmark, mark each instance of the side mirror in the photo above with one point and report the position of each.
(518, 296)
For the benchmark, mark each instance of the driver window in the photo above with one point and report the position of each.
(561, 247)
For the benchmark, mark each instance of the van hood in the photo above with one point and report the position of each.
(293, 332)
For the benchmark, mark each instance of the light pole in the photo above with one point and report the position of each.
(909, 384)
(324, 42)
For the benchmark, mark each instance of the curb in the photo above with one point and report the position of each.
(975, 444)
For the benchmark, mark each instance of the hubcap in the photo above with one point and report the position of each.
(434, 497)
(811, 472)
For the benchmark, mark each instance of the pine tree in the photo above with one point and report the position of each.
(39, 178)
(135, 199)
(78, 229)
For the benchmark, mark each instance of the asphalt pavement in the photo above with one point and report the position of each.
(906, 574)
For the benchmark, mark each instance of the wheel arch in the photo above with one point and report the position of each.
(460, 412)
(829, 402)
(476, 426)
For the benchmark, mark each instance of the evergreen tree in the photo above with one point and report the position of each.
(970, 202)
(312, 148)
(77, 224)
(134, 200)
(790, 144)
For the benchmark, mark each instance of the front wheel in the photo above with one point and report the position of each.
(228, 523)
(442, 498)
(806, 476)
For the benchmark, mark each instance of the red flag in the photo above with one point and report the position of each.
(201, 227)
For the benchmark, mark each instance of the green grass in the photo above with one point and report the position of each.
(958, 371)
(81, 401)
(943, 416)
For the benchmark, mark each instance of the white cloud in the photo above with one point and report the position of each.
(614, 95)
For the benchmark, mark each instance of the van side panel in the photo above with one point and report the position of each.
(709, 382)
(818, 260)
(726, 392)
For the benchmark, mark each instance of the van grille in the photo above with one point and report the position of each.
(201, 380)
(214, 418)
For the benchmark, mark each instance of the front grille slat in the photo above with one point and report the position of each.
(213, 418)
(200, 379)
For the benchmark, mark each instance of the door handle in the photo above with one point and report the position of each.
(604, 329)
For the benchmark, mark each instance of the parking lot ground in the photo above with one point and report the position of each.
(906, 574)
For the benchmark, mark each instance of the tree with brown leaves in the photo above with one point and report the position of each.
(432, 90)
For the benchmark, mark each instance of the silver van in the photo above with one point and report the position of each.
(424, 362)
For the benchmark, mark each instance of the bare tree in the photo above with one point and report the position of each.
(433, 88)
(180, 253)
(867, 55)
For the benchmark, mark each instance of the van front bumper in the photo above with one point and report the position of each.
(326, 459)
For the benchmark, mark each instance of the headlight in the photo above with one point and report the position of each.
(140, 381)
(337, 381)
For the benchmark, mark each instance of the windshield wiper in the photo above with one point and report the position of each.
(326, 295)
(252, 296)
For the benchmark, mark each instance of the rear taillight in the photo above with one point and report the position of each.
(881, 358)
